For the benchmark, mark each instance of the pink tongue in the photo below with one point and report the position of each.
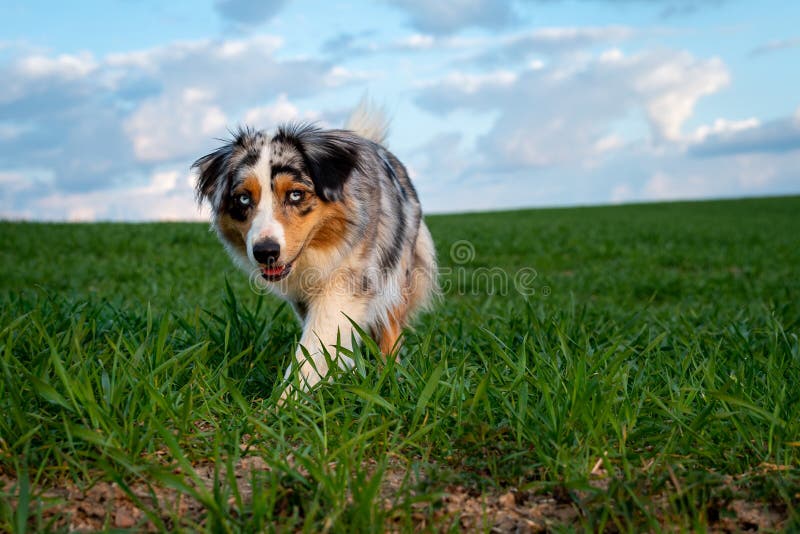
(274, 271)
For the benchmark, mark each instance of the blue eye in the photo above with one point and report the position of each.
(243, 199)
(294, 196)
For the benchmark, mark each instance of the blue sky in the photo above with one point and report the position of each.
(494, 104)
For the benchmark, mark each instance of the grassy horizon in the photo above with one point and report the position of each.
(636, 365)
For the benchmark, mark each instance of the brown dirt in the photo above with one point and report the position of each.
(106, 505)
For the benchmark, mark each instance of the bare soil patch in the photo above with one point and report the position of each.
(147, 507)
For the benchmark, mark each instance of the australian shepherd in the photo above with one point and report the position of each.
(330, 221)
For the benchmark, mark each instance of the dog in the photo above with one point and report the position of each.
(330, 221)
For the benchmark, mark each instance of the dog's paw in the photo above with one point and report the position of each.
(306, 378)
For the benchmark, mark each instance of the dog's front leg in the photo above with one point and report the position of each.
(326, 325)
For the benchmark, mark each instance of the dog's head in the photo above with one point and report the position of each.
(275, 197)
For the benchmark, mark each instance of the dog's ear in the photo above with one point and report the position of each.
(215, 170)
(212, 174)
(329, 155)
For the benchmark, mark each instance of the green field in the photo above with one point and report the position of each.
(619, 368)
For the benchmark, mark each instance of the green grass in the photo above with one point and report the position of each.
(662, 338)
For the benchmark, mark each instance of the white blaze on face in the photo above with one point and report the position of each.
(264, 225)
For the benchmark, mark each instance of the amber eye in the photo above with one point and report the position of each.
(295, 196)
(243, 200)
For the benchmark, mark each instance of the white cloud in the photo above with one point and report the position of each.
(63, 66)
(566, 114)
(9, 131)
(742, 176)
(608, 143)
(172, 126)
(755, 172)
(163, 182)
(574, 35)
(282, 110)
(467, 83)
(680, 176)
(518, 117)
(339, 76)
(612, 55)
(417, 41)
(536, 64)
(723, 127)
(621, 193)
(165, 197)
(14, 181)
(591, 127)
(488, 51)
(775, 45)
(234, 70)
(672, 87)
(663, 187)
(553, 41)
(101, 123)
(750, 136)
(82, 214)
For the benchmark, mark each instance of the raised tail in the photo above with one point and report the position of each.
(369, 121)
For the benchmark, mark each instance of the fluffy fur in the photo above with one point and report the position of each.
(331, 221)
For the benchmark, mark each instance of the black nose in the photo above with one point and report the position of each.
(266, 251)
